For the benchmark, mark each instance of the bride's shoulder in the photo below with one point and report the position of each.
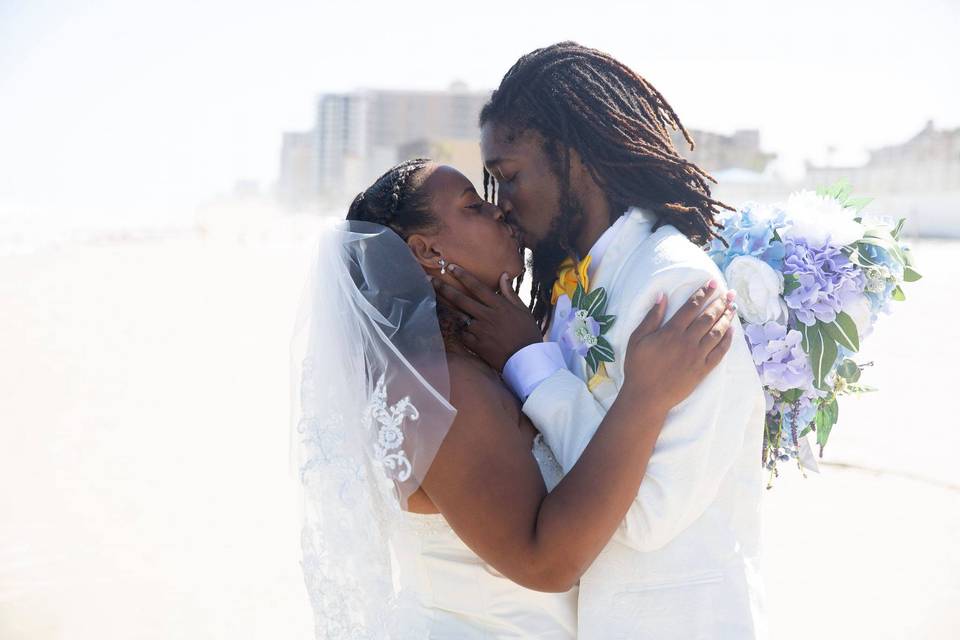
(474, 386)
(468, 372)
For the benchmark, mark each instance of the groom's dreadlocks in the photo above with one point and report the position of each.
(583, 99)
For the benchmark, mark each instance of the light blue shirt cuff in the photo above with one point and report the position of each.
(530, 366)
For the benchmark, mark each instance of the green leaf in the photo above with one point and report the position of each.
(605, 322)
(805, 343)
(897, 230)
(910, 274)
(790, 283)
(857, 204)
(826, 417)
(591, 362)
(899, 295)
(595, 302)
(844, 331)
(577, 297)
(791, 396)
(603, 350)
(849, 370)
(823, 353)
(839, 190)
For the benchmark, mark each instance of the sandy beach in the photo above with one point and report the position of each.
(146, 491)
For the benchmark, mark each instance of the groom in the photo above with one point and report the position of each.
(576, 148)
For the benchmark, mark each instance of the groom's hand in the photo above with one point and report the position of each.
(499, 324)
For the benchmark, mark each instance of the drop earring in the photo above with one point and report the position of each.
(443, 265)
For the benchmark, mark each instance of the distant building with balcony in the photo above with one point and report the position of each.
(715, 152)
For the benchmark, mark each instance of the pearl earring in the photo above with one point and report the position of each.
(443, 265)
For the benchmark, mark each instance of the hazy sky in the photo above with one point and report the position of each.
(162, 104)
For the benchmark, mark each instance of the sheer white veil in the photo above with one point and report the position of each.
(370, 407)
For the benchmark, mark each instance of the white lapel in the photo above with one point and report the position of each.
(637, 227)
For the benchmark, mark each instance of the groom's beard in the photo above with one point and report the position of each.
(558, 244)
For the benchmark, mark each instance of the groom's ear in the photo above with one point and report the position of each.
(425, 250)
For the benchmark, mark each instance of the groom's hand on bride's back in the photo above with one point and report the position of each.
(688, 346)
(496, 325)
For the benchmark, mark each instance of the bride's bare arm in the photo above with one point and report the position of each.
(487, 485)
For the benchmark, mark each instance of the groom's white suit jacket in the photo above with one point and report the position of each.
(683, 563)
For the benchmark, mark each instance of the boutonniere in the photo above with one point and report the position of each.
(582, 318)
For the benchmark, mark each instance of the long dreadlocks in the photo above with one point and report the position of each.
(583, 99)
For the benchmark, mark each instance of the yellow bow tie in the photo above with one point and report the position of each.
(569, 275)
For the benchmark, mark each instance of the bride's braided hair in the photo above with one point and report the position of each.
(584, 99)
(395, 200)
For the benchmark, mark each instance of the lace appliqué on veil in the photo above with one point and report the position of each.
(389, 421)
(350, 600)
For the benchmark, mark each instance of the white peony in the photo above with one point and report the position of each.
(859, 310)
(758, 289)
(817, 219)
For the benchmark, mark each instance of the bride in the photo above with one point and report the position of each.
(432, 508)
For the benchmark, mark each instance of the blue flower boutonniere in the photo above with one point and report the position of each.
(582, 325)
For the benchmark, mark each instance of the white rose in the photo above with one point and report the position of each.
(859, 310)
(818, 218)
(758, 289)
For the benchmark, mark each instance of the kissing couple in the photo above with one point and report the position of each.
(586, 465)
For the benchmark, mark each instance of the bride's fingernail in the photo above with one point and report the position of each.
(712, 285)
(731, 295)
(659, 297)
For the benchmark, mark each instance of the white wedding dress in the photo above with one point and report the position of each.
(462, 597)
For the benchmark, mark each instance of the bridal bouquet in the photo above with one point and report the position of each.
(811, 276)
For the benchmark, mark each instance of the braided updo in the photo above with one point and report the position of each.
(396, 200)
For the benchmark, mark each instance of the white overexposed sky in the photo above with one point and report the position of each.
(110, 104)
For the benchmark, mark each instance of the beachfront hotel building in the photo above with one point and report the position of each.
(358, 135)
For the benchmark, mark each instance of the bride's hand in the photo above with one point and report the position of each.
(498, 325)
(667, 363)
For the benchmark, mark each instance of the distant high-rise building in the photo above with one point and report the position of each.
(297, 186)
(341, 130)
(359, 135)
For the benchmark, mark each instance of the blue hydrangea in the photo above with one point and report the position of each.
(750, 232)
(827, 280)
(882, 272)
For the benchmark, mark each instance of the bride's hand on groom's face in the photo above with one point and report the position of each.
(689, 345)
(499, 323)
